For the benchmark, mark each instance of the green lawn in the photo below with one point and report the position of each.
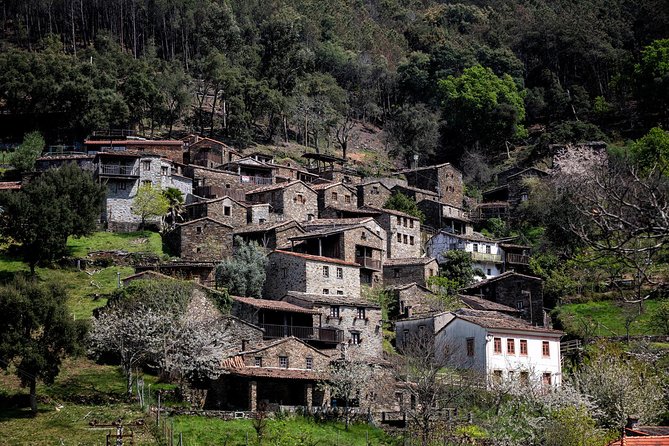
(143, 241)
(291, 431)
(607, 318)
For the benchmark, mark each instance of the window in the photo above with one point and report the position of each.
(121, 185)
(475, 247)
(406, 239)
(375, 190)
(340, 292)
(511, 346)
(430, 272)
(164, 171)
(300, 198)
(198, 229)
(525, 378)
(399, 221)
(546, 379)
(334, 196)
(347, 198)
(340, 273)
(310, 217)
(523, 347)
(258, 361)
(498, 346)
(361, 312)
(309, 363)
(487, 249)
(520, 305)
(334, 311)
(411, 223)
(283, 362)
(198, 249)
(326, 291)
(406, 335)
(523, 197)
(355, 338)
(146, 165)
(411, 240)
(396, 273)
(285, 272)
(326, 271)
(363, 235)
(227, 210)
(399, 238)
(405, 222)
(146, 182)
(489, 272)
(497, 376)
(546, 349)
(470, 346)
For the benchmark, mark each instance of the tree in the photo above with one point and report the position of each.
(458, 268)
(413, 130)
(400, 202)
(244, 273)
(659, 319)
(38, 334)
(25, 156)
(57, 204)
(652, 74)
(175, 200)
(652, 151)
(482, 109)
(347, 380)
(149, 202)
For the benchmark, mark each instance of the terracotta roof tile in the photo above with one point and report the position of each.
(10, 185)
(274, 305)
(315, 258)
(494, 320)
(659, 440)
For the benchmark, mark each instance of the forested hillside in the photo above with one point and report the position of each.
(441, 77)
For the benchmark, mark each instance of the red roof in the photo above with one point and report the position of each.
(133, 142)
(662, 440)
(10, 185)
(275, 305)
(316, 258)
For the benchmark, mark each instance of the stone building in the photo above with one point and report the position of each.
(485, 252)
(351, 243)
(201, 240)
(444, 179)
(123, 173)
(292, 271)
(412, 300)
(271, 235)
(224, 209)
(208, 152)
(293, 200)
(514, 191)
(358, 319)
(524, 293)
(373, 193)
(55, 160)
(252, 171)
(284, 373)
(214, 183)
(170, 149)
(403, 236)
(336, 195)
(409, 270)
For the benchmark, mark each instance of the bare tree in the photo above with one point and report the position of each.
(347, 380)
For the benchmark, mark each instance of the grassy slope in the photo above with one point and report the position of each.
(609, 317)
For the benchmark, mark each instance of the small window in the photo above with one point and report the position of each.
(122, 185)
(340, 292)
(334, 311)
(406, 239)
(334, 196)
(396, 273)
(355, 338)
(405, 222)
(285, 272)
(525, 378)
(546, 349)
(198, 229)
(546, 379)
(470, 346)
(475, 247)
(498, 346)
(523, 197)
(347, 198)
(283, 362)
(399, 238)
(487, 249)
(340, 273)
(310, 217)
(198, 249)
(363, 235)
(411, 240)
(430, 272)
(326, 271)
(497, 376)
(326, 291)
(258, 361)
(227, 210)
(523, 347)
(405, 335)
(489, 272)
(146, 165)
(511, 346)
(164, 171)
(375, 190)
(361, 312)
(309, 363)
(520, 305)
(411, 223)
(399, 221)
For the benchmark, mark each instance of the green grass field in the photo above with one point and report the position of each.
(607, 318)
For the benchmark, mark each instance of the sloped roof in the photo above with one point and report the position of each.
(10, 185)
(415, 189)
(273, 305)
(389, 211)
(278, 186)
(409, 261)
(335, 222)
(502, 276)
(315, 258)
(332, 299)
(476, 303)
(654, 440)
(494, 320)
(264, 227)
(416, 169)
(216, 200)
(199, 220)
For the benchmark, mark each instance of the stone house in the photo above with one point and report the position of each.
(491, 345)
(272, 235)
(402, 233)
(214, 183)
(478, 303)
(516, 257)
(373, 193)
(409, 270)
(55, 160)
(293, 200)
(123, 173)
(412, 300)
(485, 252)
(444, 179)
(280, 319)
(283, 373)
(358, 319)
(524, 293)
(208, 152)
(515, 190)
(445, 216)
(292, 271)
(204, 273)
(351, 243)
(170, 149)
(200, 240)
(224, 209)
(336, 195)
(252, 172)
(291, 171)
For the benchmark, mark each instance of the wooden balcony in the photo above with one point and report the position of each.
(485, 257)
(117, 170)
(329, 335)
(518, 259)
(368, 262)
(260, 181)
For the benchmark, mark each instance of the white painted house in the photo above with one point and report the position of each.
(496, 346)
(485, 252)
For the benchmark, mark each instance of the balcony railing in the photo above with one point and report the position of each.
(368, 262)
(116, 169)
(485, 257)
(261, 181)
(332, 335)
(518, 259)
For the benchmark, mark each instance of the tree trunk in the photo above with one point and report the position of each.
(33, 397)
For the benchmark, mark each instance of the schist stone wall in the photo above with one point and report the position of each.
(201, 240)
(373, 194)
(226, 210)
(338, 196)
(405, 271)
(444, 179)
(403, 235)
(309, 274)
(296, 201)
